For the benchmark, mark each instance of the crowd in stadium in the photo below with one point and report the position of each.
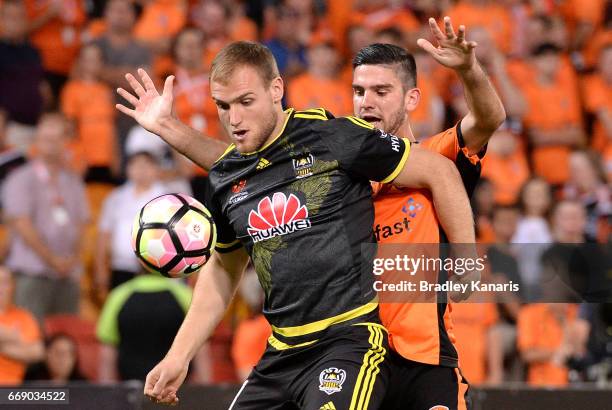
(75, 171)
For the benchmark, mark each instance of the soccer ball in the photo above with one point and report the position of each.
(173, 235)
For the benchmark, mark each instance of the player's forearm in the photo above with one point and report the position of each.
(452, 204)
(199, 148)
(211, 296)
(486, 111)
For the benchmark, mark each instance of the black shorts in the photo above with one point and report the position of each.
(345, 369)
(418, 386)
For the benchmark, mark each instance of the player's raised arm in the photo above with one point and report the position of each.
(486, 111)
(430, 170)
(214, 289)
(154, 113)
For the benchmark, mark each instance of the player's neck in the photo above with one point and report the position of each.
(281, 119)
(405, 131)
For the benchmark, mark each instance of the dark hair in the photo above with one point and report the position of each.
(40, 371)
(389, 54)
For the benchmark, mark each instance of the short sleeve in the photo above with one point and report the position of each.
(363, 150)
(450, 143)
(107, 329)
(226, 236)
(17, 200)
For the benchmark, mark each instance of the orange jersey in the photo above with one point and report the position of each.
(12, 371)
(58, 40)
(537, 328)
(420, 331)
(91, 106)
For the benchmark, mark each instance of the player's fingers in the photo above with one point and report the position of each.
(472, 45)
(135, 84)
(128, 97)
(435, 30)
(150, 381)
(427, 46)
(168, 85)
(448, 28)
(461, 33)
(160, 384)
(146, 80)
(125, 110)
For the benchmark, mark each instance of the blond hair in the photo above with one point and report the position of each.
(240, 54)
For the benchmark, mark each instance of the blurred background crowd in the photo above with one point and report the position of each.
(75, 172)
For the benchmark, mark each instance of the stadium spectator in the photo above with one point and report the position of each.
(505, 164)
(504, 269)
(597, 97)
(483, 202)
(472, 325)
(148, 307)
(588, 186)
(194, 105)
(21, 75)
(20, 341)
(88, 102)
(55, 29)
(357, 37)
(545, 341)
(494, 62)
(487, 13)
(533, 234)
(212, 17)
(319, 85)
(286, 45)
(114, 259)
(575, 269)
(46, 209)
(60, 365)
(160, 21)
(553, 119)
(122, 53)
(382, 14)
(593, 355)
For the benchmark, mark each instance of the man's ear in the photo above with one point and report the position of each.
(411, 99)
(277, 89)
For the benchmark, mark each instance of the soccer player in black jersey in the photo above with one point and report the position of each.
(293, 193)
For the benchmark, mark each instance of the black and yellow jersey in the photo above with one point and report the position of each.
(302, 207)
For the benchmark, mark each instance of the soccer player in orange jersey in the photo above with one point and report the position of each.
(385, 93)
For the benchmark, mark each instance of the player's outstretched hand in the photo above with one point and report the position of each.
(453, 50)
(164, 380)
(150, 108)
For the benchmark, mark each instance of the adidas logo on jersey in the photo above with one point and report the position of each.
(262, 164)
(328, 406)
(280, 215)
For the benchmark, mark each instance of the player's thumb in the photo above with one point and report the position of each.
(426, 45)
